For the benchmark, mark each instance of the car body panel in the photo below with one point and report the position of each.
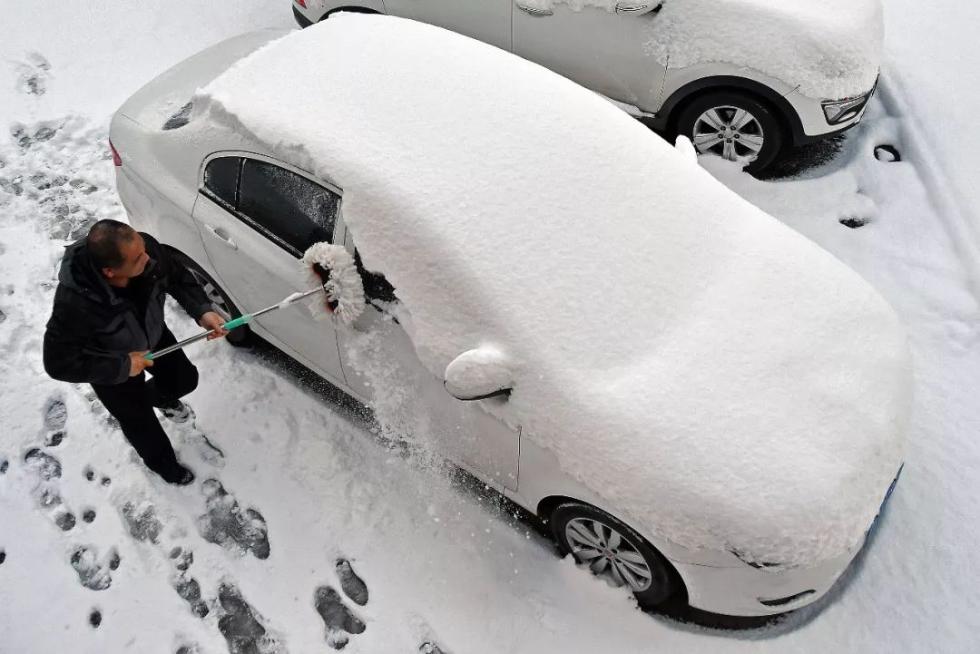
(485, 20)
(601, 50)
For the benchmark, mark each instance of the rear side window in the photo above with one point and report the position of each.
(286, 207)
(181, 118)
(221, 180)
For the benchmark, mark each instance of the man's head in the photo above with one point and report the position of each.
(117, 250)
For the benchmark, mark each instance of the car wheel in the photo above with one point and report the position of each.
(612, 550)
(735, 126)
(240, 337)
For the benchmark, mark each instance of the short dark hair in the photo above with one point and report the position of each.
(103, 242)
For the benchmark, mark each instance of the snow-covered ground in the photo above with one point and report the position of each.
(442, 563)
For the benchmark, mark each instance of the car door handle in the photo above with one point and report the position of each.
(534, 11)
(219, 234)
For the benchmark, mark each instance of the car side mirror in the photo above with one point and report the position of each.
(479, 374)
(637, 7)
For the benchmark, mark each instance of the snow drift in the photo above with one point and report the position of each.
(720, 378)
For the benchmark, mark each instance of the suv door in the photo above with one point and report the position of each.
(602, 50)
(484, 20)
(256, 219)
(378, 352)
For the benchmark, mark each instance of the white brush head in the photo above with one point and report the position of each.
(344, 286)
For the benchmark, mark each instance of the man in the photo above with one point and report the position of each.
(108, 313)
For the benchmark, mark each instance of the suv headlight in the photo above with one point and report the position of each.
(840, 111)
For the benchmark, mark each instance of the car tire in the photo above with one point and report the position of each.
(628, 559)
(240, 337)
(736, 126)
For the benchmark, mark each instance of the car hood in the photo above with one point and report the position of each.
(711, 374)
(828, 48)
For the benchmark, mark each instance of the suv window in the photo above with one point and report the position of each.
(221, 179)
(287, 208)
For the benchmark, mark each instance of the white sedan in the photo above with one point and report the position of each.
(700, 402)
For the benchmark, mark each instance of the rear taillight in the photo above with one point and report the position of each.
(116, 159)
(301, 3)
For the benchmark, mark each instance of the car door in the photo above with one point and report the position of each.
(602, 50)
(383, 369)
(484, 20)
(256, 218)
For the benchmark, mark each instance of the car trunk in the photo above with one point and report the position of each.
(164, 103)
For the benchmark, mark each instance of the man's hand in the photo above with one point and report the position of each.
(215, 323)
(138, 363)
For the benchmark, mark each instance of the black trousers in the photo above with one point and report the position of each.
(132, 402)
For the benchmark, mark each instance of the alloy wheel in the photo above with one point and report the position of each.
(608, 553)
(214, 295)
(729, 131)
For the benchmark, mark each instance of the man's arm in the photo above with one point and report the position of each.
(66, 357)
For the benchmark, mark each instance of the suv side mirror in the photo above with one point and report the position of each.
(479, 374)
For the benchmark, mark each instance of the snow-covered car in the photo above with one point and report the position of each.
(700, 402)
(742, 79)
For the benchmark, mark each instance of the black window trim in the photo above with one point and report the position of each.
(242, 156)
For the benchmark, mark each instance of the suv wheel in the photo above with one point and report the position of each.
(735, 126)
(612, 550)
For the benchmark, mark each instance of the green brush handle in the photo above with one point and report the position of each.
(230, 325)
(237, 322)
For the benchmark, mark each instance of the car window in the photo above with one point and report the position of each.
(221, 180)
(287, 208)
(179, 119)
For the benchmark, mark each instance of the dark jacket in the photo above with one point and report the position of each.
(93, 328)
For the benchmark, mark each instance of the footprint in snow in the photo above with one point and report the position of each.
(201, 444)
(33, 74)
(185, 423)
(93, 572)
(340, 623)
(55, 419)
(47, 467)
(186, 586)
(142, 522)
(90, 475)
(47, 470)
(226, 524)
(95, 618)
(352, 585)
(242, 627)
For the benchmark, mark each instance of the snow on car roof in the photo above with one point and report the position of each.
(710, 373)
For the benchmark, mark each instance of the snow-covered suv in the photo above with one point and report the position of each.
(700, 402)
(741, 78)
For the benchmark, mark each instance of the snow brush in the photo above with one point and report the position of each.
(333, 270)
